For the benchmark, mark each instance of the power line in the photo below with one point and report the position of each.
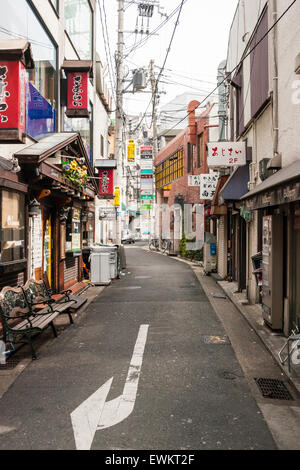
(238, 65)
(168, 51)
(144, 40)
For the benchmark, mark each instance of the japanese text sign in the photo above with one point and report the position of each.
(78, 91)
(226, 154)
(146, 153)
(130, 150)
(12, 95)
(106, 182)
(117, 194)
(208, 186)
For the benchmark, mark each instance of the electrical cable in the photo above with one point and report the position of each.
(237, 66)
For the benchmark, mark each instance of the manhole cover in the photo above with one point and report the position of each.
(10, 364)
(273, 388)
(216, 340)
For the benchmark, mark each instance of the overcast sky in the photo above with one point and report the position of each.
(199, 45)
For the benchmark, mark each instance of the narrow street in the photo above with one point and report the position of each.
(186, 398)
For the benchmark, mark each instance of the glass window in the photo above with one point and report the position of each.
(73, 231)
(18, 20)
(79, 26)
(85, 127)
(12, 231)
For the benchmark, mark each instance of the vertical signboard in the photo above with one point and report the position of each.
(131, 151)
(117, 196)
(78, 103)
(106, 182)
(12, 97)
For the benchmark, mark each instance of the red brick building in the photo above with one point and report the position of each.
(185, 155)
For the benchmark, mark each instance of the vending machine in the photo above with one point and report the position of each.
(272, 271)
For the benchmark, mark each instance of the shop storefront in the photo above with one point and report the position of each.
(277, 202)
(61, 207)
(13, 223)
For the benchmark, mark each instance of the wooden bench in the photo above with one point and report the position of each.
(79, 300)
(38, 295)
(20, 322)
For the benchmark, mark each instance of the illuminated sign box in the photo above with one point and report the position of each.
(15, 58)
(78, 73)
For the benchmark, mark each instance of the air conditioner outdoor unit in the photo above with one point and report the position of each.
(264, 172)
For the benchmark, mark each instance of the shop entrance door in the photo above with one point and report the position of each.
(47, 249)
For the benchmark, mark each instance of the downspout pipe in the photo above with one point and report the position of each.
(275, 162)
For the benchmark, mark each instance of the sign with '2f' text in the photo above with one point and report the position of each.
(226, 154)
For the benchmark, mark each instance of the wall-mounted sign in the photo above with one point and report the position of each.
(226, 154)
(77, 104)
(117, 196)
(146, 164)
(12, 99)
(130, 151)
(106, 182)
(76, 245)
(146, 153)
(147, 196)
(146, 172)
(208, 185)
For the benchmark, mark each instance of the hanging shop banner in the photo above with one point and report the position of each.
(208, 186)
(130, 151)
(146, 153)
(77, 105)
(226, 154)
(12, 97)
(117, 196)
(106, 182)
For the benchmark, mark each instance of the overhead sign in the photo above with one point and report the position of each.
(146, 153)
(12, 96)
(208, 185)
(224, 154)
(106, 182)
(130, 151)
(77, 105)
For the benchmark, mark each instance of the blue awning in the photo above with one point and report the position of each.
(236, 186)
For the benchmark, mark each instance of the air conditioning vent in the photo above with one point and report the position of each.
(264, 173)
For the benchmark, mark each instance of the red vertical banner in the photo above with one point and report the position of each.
(12, 95)
(77, 104)
(106, 182)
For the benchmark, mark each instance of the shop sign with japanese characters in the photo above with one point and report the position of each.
(12, 95)
(226, 154)
(146, 153)
(208, 185)
(130, 151)
(77, 93)
(106, 182)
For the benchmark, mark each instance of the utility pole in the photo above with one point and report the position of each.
(119, 110)
(154, 104)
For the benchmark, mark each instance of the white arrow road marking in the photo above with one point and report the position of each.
(96, 414)
(120, 408)
(86, 417)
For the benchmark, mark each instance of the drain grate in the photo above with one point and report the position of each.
(273, 388)
(10, 364)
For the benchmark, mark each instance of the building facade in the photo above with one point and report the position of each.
(262, 220)
(49, 190)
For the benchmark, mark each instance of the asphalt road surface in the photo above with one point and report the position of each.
(154, 358)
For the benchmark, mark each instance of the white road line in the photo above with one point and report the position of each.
(121, 407)
(96, 414)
